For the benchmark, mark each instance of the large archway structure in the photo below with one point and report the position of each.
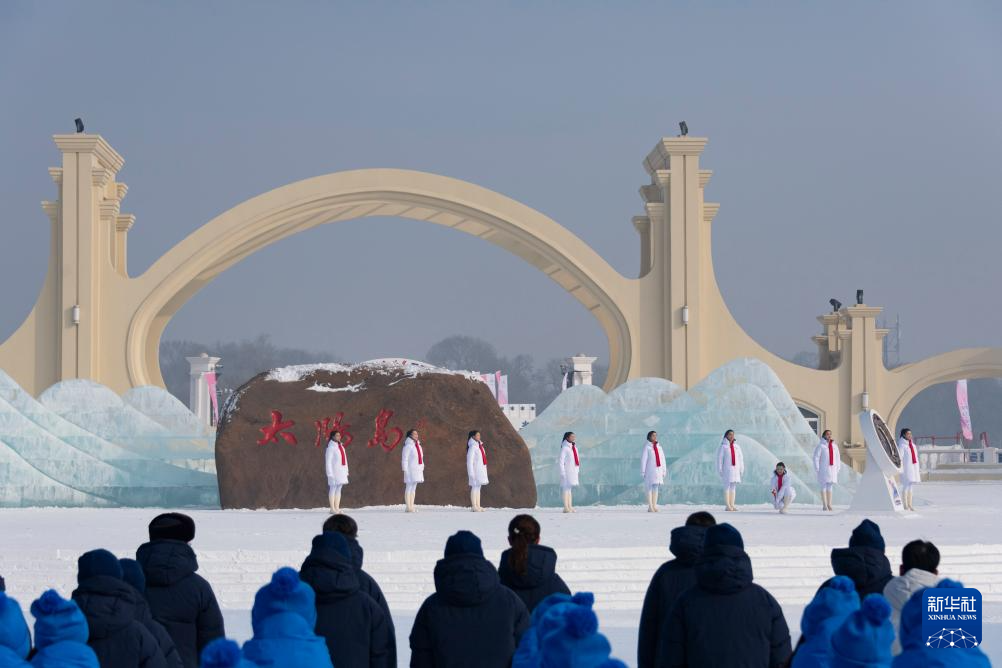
(92, 320)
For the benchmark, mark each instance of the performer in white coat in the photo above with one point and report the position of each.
(911, 473)
(476, 468)
(827, 463)
(730, 467)
(783, 492)
(569, 463)
(653, 469)
(412, 462)
(336, 464)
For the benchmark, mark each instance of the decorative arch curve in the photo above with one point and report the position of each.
(967, 363)
(288, 210)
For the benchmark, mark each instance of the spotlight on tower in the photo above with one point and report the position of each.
(859, 296)
(79, 123)
(836, 304)
(683, 128)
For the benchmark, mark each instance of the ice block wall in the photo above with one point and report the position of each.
(744, 395)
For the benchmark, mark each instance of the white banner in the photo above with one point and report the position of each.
(502, 388)
(491, 383)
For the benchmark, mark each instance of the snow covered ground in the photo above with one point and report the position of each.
(612, 551)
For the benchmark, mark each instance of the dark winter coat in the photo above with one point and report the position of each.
(540, 579)
(352, 623)
(726, 619)
(867, 567)
(167, 647)
(470, 620)
(118, 640)
(179, 598)
(368, 584)
(668, 583)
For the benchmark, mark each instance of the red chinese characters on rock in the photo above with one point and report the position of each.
(386, 439)
(326, 425)
(277, 428)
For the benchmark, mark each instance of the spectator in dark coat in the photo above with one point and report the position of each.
(348, 528)
(471, 619)
(528, 568)
(863, 561)
(725, 619)
(109, 604)
(15, 640)
(60, 634)
(668, 583)
(353, 624)
(283, 619)
(179, 598)
(132, 573)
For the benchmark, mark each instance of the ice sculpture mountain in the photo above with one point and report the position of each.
(80, 445)
(744, 395)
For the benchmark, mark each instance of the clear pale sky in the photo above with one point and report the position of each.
(854, 144)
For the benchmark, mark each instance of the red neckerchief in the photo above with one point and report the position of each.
(779, 485)
(483, 453)
(831, 453)
(911, 446)
(420, 457)
(657, 457)
(734, 458)
(574, 449)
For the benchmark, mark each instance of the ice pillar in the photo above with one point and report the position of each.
(199, 400)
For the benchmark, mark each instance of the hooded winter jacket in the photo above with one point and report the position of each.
(822, 616)
(900, 589)
(726, 619)
(470, 620)
(15, 640)
(867, 567)
(669, 581)
(60, 634)
(179, 598)
(118, 640)
(352, 623)
(368, 584)
(915, 654)
(283, 618)
(540, 579)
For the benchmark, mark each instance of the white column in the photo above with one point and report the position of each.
(198, 388)
(580, 369)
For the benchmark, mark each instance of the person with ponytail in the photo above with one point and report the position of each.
(476, 468)
(336, 465)
(827, 462)
(653, 469)
(569, 463)
(412, 462)
(730, 468)
(528, 568)
(911, 471)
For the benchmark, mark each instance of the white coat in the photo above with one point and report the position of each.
(412, 461)
(910, 471)
(827, 472)
(782, 492)
(730, 473)
(336, 463)
(568, 468)
(476, 464)
(652, 464)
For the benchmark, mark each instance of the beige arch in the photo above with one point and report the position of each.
(350, 195)
(905, 382)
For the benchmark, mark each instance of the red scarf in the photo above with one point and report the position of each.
(734, 458)
(831, 454)
(483, 453)
(779, 484)
(344, 460)
(657, 456)
(574, 449)
(911, 446)
(420, 457)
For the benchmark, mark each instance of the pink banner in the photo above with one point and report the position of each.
(210, 380)
(502, 388)
(965, 411)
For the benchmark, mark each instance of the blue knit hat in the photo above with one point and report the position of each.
(58, 620)
(285, 593)
(223, 653)
(528, 653)
(574, 641)
(867, 534)
(132, 573)
(865, 637)
(463, 542)
(838, 600)
(723, 534)
(13, 629)
(98, 562)
(332, 540)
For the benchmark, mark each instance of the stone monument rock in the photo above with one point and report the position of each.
(273, 432)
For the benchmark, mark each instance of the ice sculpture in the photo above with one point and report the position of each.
(744, 395)
(93, 450)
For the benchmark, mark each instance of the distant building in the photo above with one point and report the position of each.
(519, 414)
